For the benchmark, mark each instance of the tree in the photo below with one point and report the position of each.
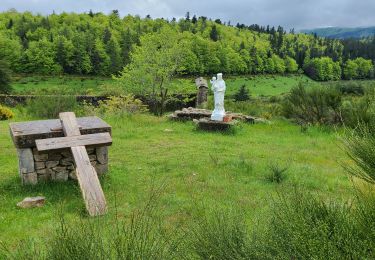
(65, 54)
(5, 87)
(40, 58)
(242, 94)
(153, 65)
(114, 51)
(291, 65)
(323, 69)
(99, 59)
(350, 70)
(214, 35)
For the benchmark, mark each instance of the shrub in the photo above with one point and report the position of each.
(277, 172)
(313, 104)
(5, 113)
(358, 111)
(50, 106)
(242, 94)
(303, 226)
(219, 235)
(351, 88)
(121, 105)
(360, 148)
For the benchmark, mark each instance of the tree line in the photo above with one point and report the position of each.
(99, 44)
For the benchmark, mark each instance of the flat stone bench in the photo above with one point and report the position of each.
(58, 164)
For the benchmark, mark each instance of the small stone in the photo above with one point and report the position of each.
(43, 171)
(59, 169)
(30, 178)
(40, 165)
(167, 130)
(70, 167)
(66, 153)
(51, 164)
(60, 176)
(92, 157)
(102, 154)
(54, 156)
(32, 202)
(40, 157)
(66, 161)
(44, 177)
(25, 161)
(101, 168)
(72, 175)
(93, 163)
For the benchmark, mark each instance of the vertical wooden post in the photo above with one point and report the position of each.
(87, 177)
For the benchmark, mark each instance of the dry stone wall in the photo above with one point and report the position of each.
(35, 167)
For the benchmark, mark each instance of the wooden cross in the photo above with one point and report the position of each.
(87, 177)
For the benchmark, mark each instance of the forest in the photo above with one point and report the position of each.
(99, 44)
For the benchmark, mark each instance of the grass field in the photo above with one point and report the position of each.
(267, 85)
(199, 170)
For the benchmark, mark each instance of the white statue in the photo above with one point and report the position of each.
(218, 87)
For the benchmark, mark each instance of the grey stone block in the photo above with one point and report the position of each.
(67, 153)
(60, 176)
(44, 177)
(66, 161)
(59, 169)
(40, 165)
(101, 168)
(43, 171)
(102, 154)
(51, 164)
(30, 178)
(40, 157)
(25, 161)
(54, 156)
(72, 175)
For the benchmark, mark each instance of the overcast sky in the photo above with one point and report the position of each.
(299, 14)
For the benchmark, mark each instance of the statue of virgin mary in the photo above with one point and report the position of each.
(218, 87)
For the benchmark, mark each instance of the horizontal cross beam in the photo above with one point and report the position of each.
(100, 139)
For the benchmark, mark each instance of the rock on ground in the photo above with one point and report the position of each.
(32, 202)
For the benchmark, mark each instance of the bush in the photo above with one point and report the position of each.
(313, 104)
(305, 227)
(358, 111)
(219, 235)
(242, 94)
(50, 106)
(121, 105)
(5, 113)
(360, 148)
(277, 172)
(351, 88)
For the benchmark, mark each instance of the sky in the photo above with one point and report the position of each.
(298, 14)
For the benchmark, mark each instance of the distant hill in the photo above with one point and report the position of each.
(342, 33)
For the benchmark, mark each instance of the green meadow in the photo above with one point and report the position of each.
(196, 170)
(267, 85)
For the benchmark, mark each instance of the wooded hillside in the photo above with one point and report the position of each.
(98, 44)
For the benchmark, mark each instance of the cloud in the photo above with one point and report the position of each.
(288, 13)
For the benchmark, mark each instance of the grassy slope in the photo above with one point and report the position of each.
(258, 85)
(143, 155)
